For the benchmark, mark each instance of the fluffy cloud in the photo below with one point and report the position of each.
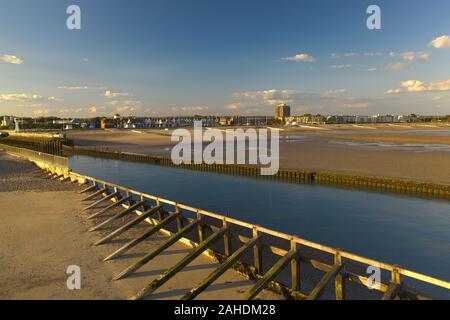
(334, 92)
(11, 59)
(440, 42)
(189, 110)
(110, 94)
(269, 97)
(129, 105)
(420, 86)
(93, 109)
(411, 56)
(41, 112)
(21, 97)
(300, 57)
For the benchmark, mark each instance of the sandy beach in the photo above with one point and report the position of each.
(43, 230)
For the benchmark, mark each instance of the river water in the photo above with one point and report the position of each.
(412, 232)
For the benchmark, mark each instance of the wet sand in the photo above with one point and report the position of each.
(323, 149)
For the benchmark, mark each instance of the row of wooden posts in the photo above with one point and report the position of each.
(49, 146)
(289, 175)
(340, 272)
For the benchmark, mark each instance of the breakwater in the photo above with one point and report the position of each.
(288, 175)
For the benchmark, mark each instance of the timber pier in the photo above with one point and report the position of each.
(285, 264)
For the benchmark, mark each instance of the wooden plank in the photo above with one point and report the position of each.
(269, 276)
(392, 292)
(94, 186)
(169, 273)
(129, 225)
(119, 215)
(96, 203)
(112, 206)
(317, 292)
(141, 262)
(194, 292)
(95, 194)
(142, 237)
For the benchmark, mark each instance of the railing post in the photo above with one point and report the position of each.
(226, 239)
(395, 275)
(200, 228)
(295, 268)
(339, 280)
(257, 257)
(159, 211)
(179, 218)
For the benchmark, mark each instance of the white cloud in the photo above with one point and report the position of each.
(344, 55)
(440, 42)
(85, 59)
(372, 69)
(93, 109)
(334, 92)
(420, 86)
(373, 54)
(81, 88)
(129, 105)
(300, 57)
(358, 105)
(41, 112)
(390, 91)
(189, 109)
(11, 59)
(15, 97)
(411, 56)
(340, 66)
(397, 66)
(266, 97)
(335, 56)
(110, 94)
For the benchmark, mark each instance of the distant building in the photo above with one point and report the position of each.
(282, 111)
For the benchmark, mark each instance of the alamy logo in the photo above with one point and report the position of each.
(374, 280)
(374, 20)
(73, 22)
(74, 280)
(235, 150)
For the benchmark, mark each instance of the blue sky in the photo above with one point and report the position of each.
(223, 57)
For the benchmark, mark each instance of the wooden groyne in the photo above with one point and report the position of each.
(288, 175)
(283, 263)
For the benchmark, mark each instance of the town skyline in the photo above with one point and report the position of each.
(127, 59)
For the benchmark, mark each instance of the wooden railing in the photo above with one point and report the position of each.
(264, 247)
(37, 156)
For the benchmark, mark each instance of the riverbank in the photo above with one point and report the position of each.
(311, 150)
